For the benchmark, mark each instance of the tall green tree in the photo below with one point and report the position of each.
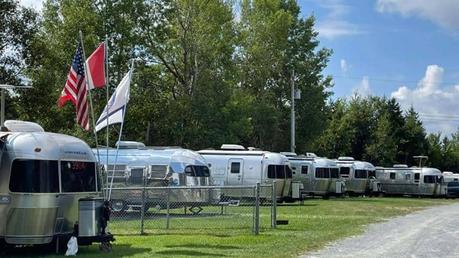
(276, 47)
(382, 149)
(18, 27)
(413, 140)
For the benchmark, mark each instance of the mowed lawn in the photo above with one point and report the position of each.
(310, 226)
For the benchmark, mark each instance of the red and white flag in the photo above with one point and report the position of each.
(75, 89)
(95, 66)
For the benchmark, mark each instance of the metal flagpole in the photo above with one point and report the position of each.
(131, 70)
(107, 91)
(292, 121)
(90, 96)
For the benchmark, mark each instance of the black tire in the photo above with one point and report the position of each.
(118, 205)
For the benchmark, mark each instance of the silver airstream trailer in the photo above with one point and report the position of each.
(313, 175)
(233, 165)
(452, 183)
(138, 166)
(359, 176)
(43, 177)
(404, 180)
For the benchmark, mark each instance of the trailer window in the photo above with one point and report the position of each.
(78, 176)
(197, 171)
(360, 173)
(271, 171)
(235, 167)
(158, 171)
(137, 176)
(344, 171)
(288, 172)
(392, 175)
(430, 179)
(322, 173)
(279, 171)
(34, 176)
(371, 173)
(416, 177)
(334, 172)
(118, 172)
(304, 170)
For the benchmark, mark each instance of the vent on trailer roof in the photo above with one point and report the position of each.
(232, 147)
(289, 154)
(400, 166)
(23, 126)
(130, 145)
(311, 155)
(346, 159)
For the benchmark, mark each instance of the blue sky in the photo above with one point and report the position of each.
(403, 49)
(406, 49)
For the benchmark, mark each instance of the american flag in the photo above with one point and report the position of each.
(75, 89)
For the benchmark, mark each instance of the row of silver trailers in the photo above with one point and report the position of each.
(50, 186)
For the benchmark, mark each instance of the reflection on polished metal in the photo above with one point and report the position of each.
(313, 175)
(404, 180)
(138, 165)
(359, 176)
(236, 166)
(36, 204)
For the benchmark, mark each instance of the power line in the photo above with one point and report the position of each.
(389, 80)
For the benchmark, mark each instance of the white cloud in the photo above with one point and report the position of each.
(334, 24)
(344, 66)
(441, 12)
(36, 4)
(435, 104)
(363, 89)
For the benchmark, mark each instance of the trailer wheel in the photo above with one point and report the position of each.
(105, 246)
(118, 205)
(3, 247)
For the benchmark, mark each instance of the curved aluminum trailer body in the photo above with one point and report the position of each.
(155, 167)
(412, 181)
(452, 182)
(42, 178)
(317, 176)
(244, 168)
(359, 176)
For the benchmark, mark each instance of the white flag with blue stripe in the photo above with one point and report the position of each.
(114, 110)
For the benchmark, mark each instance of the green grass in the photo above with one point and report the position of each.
(311, 226)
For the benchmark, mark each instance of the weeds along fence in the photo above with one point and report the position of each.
(191, 210)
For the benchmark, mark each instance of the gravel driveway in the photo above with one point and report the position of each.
(433, 232)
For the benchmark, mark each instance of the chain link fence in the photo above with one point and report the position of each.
(192, 210)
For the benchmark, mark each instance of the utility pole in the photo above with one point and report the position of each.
(295, 94)
(292, 119)
(3, 88)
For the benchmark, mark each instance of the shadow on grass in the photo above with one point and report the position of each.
(297, 205)
(187, 253)
(221, 247)
(195, 233)
(121, 250)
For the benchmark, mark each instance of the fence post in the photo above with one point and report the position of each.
(142, 212)
(168, 208)
(257, 209)
(274, 207)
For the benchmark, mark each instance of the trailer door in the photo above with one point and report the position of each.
(235, 172)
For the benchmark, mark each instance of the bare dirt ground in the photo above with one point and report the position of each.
(433, 232)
